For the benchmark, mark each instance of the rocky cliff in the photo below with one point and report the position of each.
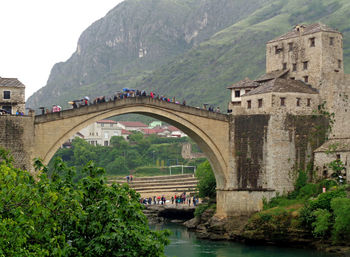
(191, 49)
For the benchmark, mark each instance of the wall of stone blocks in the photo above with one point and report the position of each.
(269, 149)
(17, 136)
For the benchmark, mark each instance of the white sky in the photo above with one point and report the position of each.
(36, 34)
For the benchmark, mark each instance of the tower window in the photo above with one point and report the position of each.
(305, 65)
(283, 101)
(308, 103)
(306, 79)
(284, 66)
(294, 67)
(237, 93)
(7, 94)
(339, 64)
(260, 103)
(331, 41)
(290, 46)
(249, 104)
(298, 101)
(312, 42)
(293, 78)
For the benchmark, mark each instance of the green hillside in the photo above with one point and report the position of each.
(194, 48)
(203, 73)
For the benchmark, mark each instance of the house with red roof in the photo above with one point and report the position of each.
(131, 125)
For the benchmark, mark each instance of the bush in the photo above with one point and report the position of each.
(322, 224)
(56, 217)
(341, 209)
(201, 208)
(206, 180)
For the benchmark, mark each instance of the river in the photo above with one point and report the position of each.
(185, 244)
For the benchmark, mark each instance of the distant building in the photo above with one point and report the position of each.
(100, 132)
(131, 125)
(12, 98)
(155, 123)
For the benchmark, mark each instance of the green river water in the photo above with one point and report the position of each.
(185, 244)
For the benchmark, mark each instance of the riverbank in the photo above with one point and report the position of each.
(282, 231)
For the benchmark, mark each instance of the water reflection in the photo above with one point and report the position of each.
(184, 243)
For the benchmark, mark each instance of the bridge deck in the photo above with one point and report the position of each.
(127, 102)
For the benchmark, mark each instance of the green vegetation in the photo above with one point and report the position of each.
(53, 216)
(324, 215)
(206, 188)
(140, 155)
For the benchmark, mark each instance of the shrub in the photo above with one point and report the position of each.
(341, 209)
(322, 224)
(206, 180)
(56, 217)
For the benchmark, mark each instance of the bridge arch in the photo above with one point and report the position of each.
(209, 130)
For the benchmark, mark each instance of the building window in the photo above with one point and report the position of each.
(331, 41)
(306, 79)
(294, 67)
(283, 101)
(249, 104)
(276, 50)
(305, 65)
(308, 102)
(105, 143)
(106, 135)
(284, 66)
(102, 125)
(338, 156)
(237, 93)
(260, 103)
(247, 91)
(298, 101)
(8, 109)
(96, 134)
(111, 125)
(7, 94)
(290, 46)
(339, 64)
(312, 42)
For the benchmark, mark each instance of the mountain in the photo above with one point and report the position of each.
(190, 49)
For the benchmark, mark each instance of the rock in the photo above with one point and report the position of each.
(192, 223)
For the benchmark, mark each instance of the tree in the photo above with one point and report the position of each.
(54, 216)
(206, 180)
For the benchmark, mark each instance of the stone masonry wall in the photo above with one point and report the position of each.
(250, 138)
(17, 136)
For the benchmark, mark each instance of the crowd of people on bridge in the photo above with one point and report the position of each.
(127, 93)
(181, 199)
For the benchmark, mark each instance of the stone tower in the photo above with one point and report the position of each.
(311, 53)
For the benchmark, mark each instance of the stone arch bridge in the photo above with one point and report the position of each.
(253, 156)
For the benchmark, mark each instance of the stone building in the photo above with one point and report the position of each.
(12, 95)
(304, 70)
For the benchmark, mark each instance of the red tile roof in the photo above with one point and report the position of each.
(152, 131)
(126, 132)
(133, 124)
(172, 128)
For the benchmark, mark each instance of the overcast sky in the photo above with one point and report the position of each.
(36, 34)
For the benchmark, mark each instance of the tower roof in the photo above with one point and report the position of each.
(245, 83)
(280, 85)
(302, 30)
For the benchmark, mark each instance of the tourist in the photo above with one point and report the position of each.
(172, 200)
(158, 199)
(154, 200)
(194, 200)
(127, 179)
(131, 178)
(184, 103)
(150, 200)
(218, 109)
(189, 201)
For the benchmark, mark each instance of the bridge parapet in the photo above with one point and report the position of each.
(132, 101)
